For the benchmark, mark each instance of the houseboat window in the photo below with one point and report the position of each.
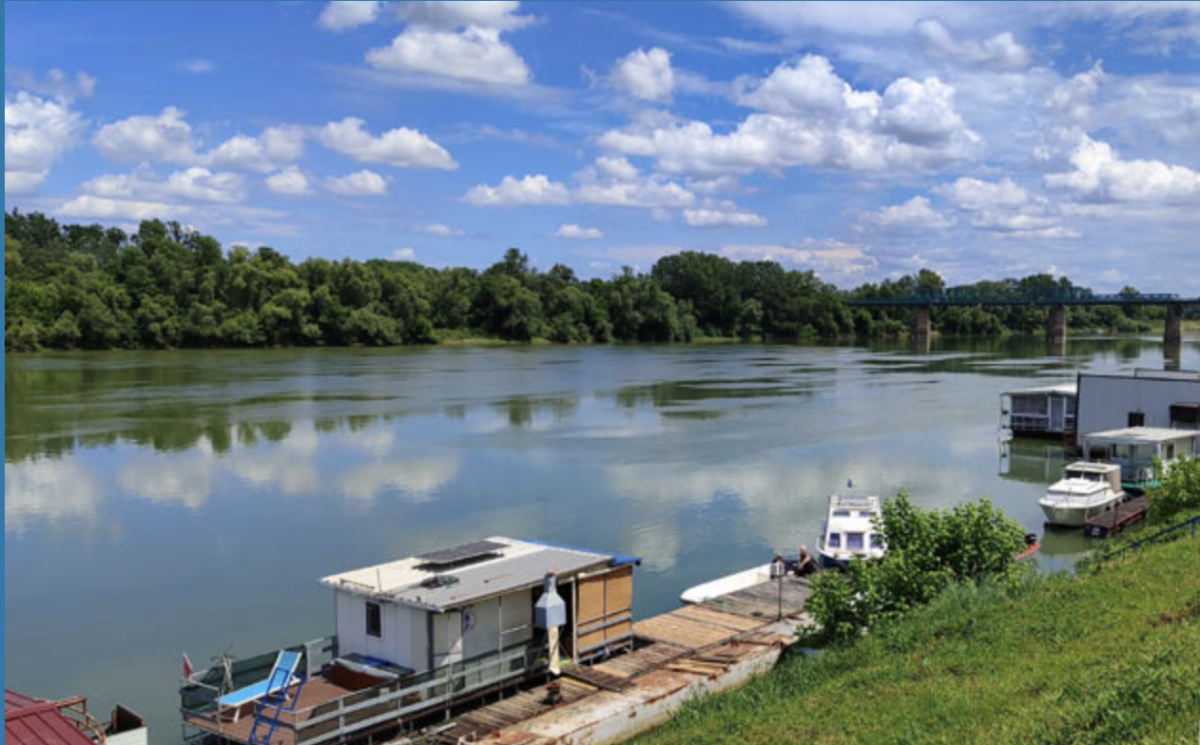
(1137, 419)
(1169, 451)
(854, 541)
(374, 620)
(835, 540)
(876, 540)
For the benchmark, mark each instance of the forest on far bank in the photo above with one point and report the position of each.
(165, 286)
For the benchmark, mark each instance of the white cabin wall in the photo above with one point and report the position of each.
(404, 638)
(1105, 403)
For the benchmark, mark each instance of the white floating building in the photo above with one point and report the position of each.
(1147, 398)
(1046, 411)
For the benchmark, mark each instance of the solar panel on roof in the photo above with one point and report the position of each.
(465, 552)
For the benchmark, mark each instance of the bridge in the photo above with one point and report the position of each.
(1057, 299)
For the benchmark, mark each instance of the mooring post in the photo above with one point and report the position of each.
(1056, 324)
(1173, 330)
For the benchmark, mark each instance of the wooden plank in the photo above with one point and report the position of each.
(718, 618)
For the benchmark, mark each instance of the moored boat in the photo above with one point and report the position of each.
(1086, 490)
(851, 529)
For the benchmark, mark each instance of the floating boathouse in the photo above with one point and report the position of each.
(417, 636)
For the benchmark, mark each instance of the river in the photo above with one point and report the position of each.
(163, 502)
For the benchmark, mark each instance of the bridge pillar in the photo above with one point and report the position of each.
(921, 327)
(1056, 324)
(1173, 331)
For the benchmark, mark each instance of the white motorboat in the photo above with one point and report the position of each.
(726, 585)
(1085, 491)
(850, 529)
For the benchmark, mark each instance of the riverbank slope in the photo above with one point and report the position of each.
(1109, 656)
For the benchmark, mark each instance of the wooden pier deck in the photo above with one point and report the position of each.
(1117, 519)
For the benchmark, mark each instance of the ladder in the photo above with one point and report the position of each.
(275, 703)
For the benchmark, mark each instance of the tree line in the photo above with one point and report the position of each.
(165, 286)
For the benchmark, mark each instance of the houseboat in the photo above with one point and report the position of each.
(29, 720)
(851, 528)
(1135, 449)
(419, 635)
(1085, 491)
(1147, 398)
(1048, 411)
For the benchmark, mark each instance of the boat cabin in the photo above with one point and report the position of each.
(1136, 448)
(1102, 475)
(850, 530)
(1048, 411)
(417, 635)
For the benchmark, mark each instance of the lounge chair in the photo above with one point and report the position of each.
(282, 677)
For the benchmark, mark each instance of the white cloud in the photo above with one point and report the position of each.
(345, 14)
(88, 206)
(497, 14)
(360, 183)
(915, 214)
(404, 254)
(812, 118)
(276, 147)
(56, 84)
(573, 231)
(616, 168)
(615, 182)
(165, 138)
(199, 66)
(291, 181)
(1000, 52)
(972, 194)
(835, 258)
(37, 132)
(645, 74)
(1073, 98)
(723, 217)
(442, 230)
(530, 190)
(401, 147)
(193, 184)
(474, 55)
(1101, 175)
(872, 18)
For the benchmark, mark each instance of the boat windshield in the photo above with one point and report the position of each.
(841, 513)
(854, 541)
(1086, 476)
(876, 540)
(835, 540)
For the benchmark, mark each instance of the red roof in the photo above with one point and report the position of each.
(32, 721)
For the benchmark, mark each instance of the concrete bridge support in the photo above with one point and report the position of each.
(921, 327)
(1173, 331)
(1056, 325)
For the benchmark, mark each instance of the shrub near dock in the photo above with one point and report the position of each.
(928, 550)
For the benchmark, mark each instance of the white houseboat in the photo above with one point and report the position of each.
(416, 636)
(1147, 398)
(1047, 411)
(850, 529)
(1136, 448)
(1085, 491)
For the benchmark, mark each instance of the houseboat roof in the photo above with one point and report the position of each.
(32, 721)
(1093, 466)
(1068, 389)
(450, 578)
(1138, 435)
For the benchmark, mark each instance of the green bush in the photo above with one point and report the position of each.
(1180, 490)
(928, 551)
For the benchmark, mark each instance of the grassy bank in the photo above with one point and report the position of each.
(1109, 656)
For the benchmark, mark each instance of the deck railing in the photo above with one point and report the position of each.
(381, 704)
(1193, 523)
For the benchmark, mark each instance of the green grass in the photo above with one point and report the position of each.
(1109, 656)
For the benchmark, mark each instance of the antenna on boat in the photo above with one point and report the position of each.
(378, 581)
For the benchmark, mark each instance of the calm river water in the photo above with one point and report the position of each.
(166, 502)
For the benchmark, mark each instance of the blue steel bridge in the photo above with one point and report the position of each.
(1056, 299)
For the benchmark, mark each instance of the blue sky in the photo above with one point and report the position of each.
(862, 140)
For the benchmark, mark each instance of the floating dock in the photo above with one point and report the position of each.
(695, 650)
(1117, 519)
